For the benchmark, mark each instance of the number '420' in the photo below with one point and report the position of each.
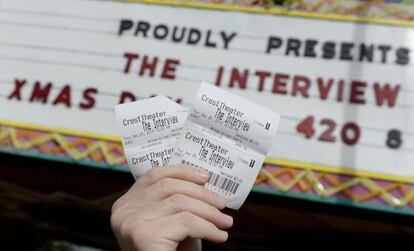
(350, 132)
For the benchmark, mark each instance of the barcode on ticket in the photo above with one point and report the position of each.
(222, 183)
(219, 183)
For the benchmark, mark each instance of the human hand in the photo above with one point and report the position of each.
(166, 206)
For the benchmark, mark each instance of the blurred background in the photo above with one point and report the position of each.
(339, 176)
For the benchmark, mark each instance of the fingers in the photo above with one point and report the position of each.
(167, 205)
(185, 224)
(179, 171)
(182, 203)
(168, 186)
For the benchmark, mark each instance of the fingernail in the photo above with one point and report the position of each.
(229, 219)
(224, 235)
(201, 173)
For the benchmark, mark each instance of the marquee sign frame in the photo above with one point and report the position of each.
(280, 177)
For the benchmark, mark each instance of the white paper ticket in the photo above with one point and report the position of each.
(149, 130)
(229, 136)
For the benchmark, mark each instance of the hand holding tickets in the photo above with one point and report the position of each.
(227, 135)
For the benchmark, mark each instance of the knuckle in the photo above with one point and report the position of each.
(151, 176)
(115, 225)
(133, 230)
(117, 204)
(206, 195)
(116, 213)
(216, 199)
(187, 218)
(114, 208)
(215, 212)
(177, 202)
(167, 185)
(124, 229)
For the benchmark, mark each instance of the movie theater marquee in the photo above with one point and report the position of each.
(345, 90)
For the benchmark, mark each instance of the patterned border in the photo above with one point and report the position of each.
(337, 186)
(72, 147)
(287, 180)
(351, 11)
